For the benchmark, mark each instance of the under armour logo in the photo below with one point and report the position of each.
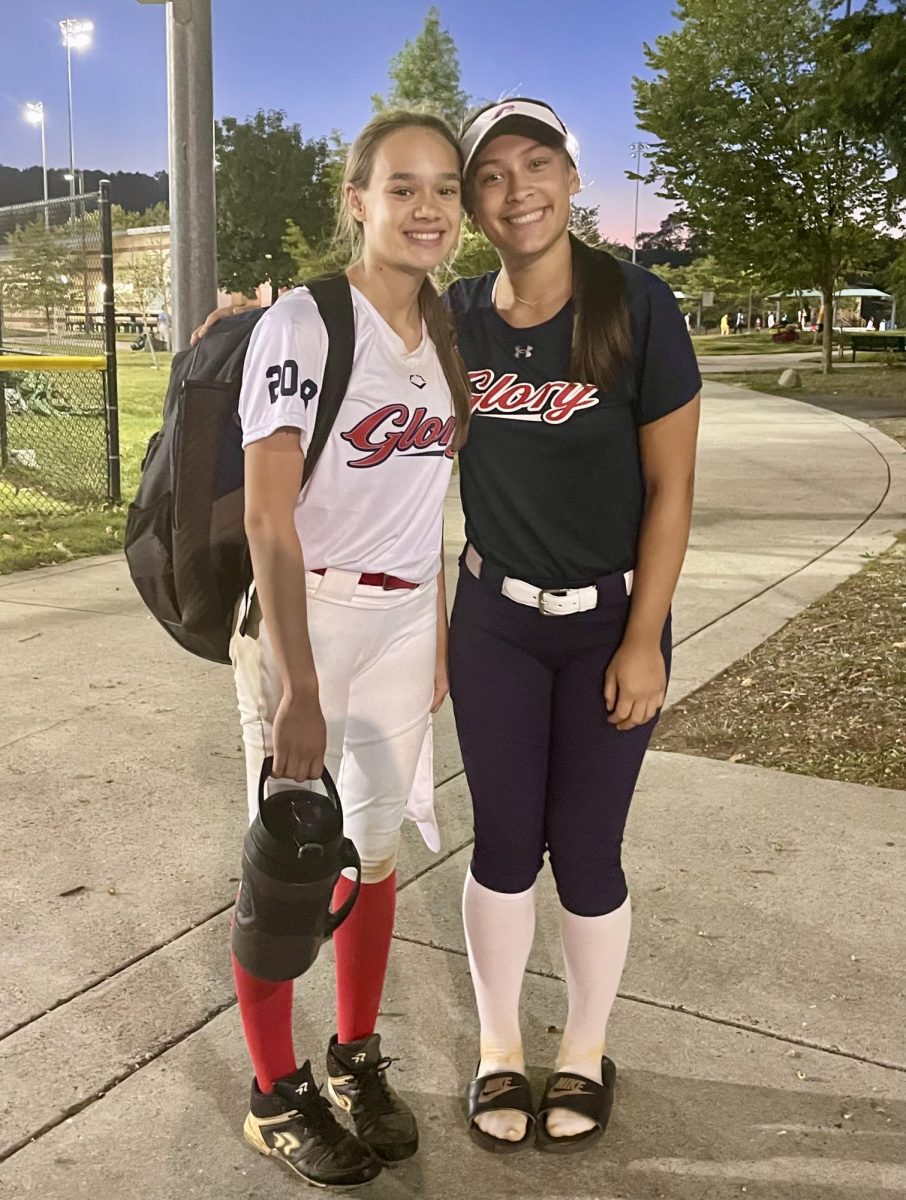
(359, 1058)
(524, 351)
(417, 381)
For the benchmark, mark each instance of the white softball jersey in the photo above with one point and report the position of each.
(375, 500)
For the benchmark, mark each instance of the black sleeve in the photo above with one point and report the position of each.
(669, 375)
(454, 296)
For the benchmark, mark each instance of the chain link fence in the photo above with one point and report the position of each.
(58, 449)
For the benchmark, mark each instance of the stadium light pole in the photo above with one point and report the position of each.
(193, 238)
(637, 148)
(34, 114)
(77, 35)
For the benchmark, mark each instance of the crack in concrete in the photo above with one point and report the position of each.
(698, 1014)
(628, 996)
(73, 1109)
(118, 970)
(92, 708)
(217, 1010)
(184, 932)
(94, 612)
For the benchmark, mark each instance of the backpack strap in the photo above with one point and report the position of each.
(334, 300)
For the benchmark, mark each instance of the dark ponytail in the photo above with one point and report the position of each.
(439, 322)
(601, 334)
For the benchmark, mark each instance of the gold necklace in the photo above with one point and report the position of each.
(530, 303)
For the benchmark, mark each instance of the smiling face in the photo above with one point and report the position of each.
(411, 207)
(519, 194)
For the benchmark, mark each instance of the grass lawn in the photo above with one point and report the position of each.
(752, 343)
(876, 383)
(31, 540)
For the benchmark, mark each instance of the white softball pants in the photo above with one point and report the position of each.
(374, 653)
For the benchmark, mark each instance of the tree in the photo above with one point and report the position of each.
(732, 289)
(895, 279)
(267, 174)
(157, 214)
(866, 92)
(585, 223)
(38, 271)
(751, 151)
(425, 74)
(310, 262)
(474, 256)
(672, 243)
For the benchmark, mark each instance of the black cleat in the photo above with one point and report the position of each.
(357, 1083)
(295, 1123)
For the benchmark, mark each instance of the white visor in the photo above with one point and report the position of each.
(480, 129)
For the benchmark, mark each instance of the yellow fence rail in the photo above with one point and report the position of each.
(55, 362)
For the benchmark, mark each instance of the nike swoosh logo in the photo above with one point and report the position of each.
(485, 1095)
(556, 1093)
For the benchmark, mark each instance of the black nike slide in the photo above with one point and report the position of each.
(579, 1095)
(490, 1093)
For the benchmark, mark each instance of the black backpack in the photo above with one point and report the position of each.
(185, 533)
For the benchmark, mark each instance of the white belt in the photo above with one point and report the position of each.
(550, 602)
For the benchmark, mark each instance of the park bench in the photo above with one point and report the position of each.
(126, 322)
(874, 342)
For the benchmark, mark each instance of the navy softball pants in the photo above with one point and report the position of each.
(546, 771)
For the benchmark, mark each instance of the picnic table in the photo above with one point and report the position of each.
(873, 341)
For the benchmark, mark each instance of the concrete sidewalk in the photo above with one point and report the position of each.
(760, 1031)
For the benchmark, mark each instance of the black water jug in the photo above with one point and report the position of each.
(293, 854)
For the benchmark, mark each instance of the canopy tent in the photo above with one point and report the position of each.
(866, 293)
(852, 293)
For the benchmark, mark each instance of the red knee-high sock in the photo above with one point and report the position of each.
(361, 948)
(266, 1010)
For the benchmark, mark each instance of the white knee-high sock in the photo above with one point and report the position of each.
(594, 952)
(500, 928)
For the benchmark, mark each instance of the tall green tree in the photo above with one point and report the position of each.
(752, 151)
(39, 272)
(865, 89)
(268, 174)
(425, 74)
(673, 243)
(157, 214)
(585, 223)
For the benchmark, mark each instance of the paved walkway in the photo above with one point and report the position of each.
(760, 1031)
(714, 364)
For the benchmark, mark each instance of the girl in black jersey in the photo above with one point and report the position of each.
(577, 489)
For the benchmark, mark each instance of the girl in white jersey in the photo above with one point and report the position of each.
(344, 656)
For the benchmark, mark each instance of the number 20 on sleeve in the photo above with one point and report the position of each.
(283, 380)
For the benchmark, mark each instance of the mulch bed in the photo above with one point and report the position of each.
(824, 696)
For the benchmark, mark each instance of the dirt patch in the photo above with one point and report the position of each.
(824, 696)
